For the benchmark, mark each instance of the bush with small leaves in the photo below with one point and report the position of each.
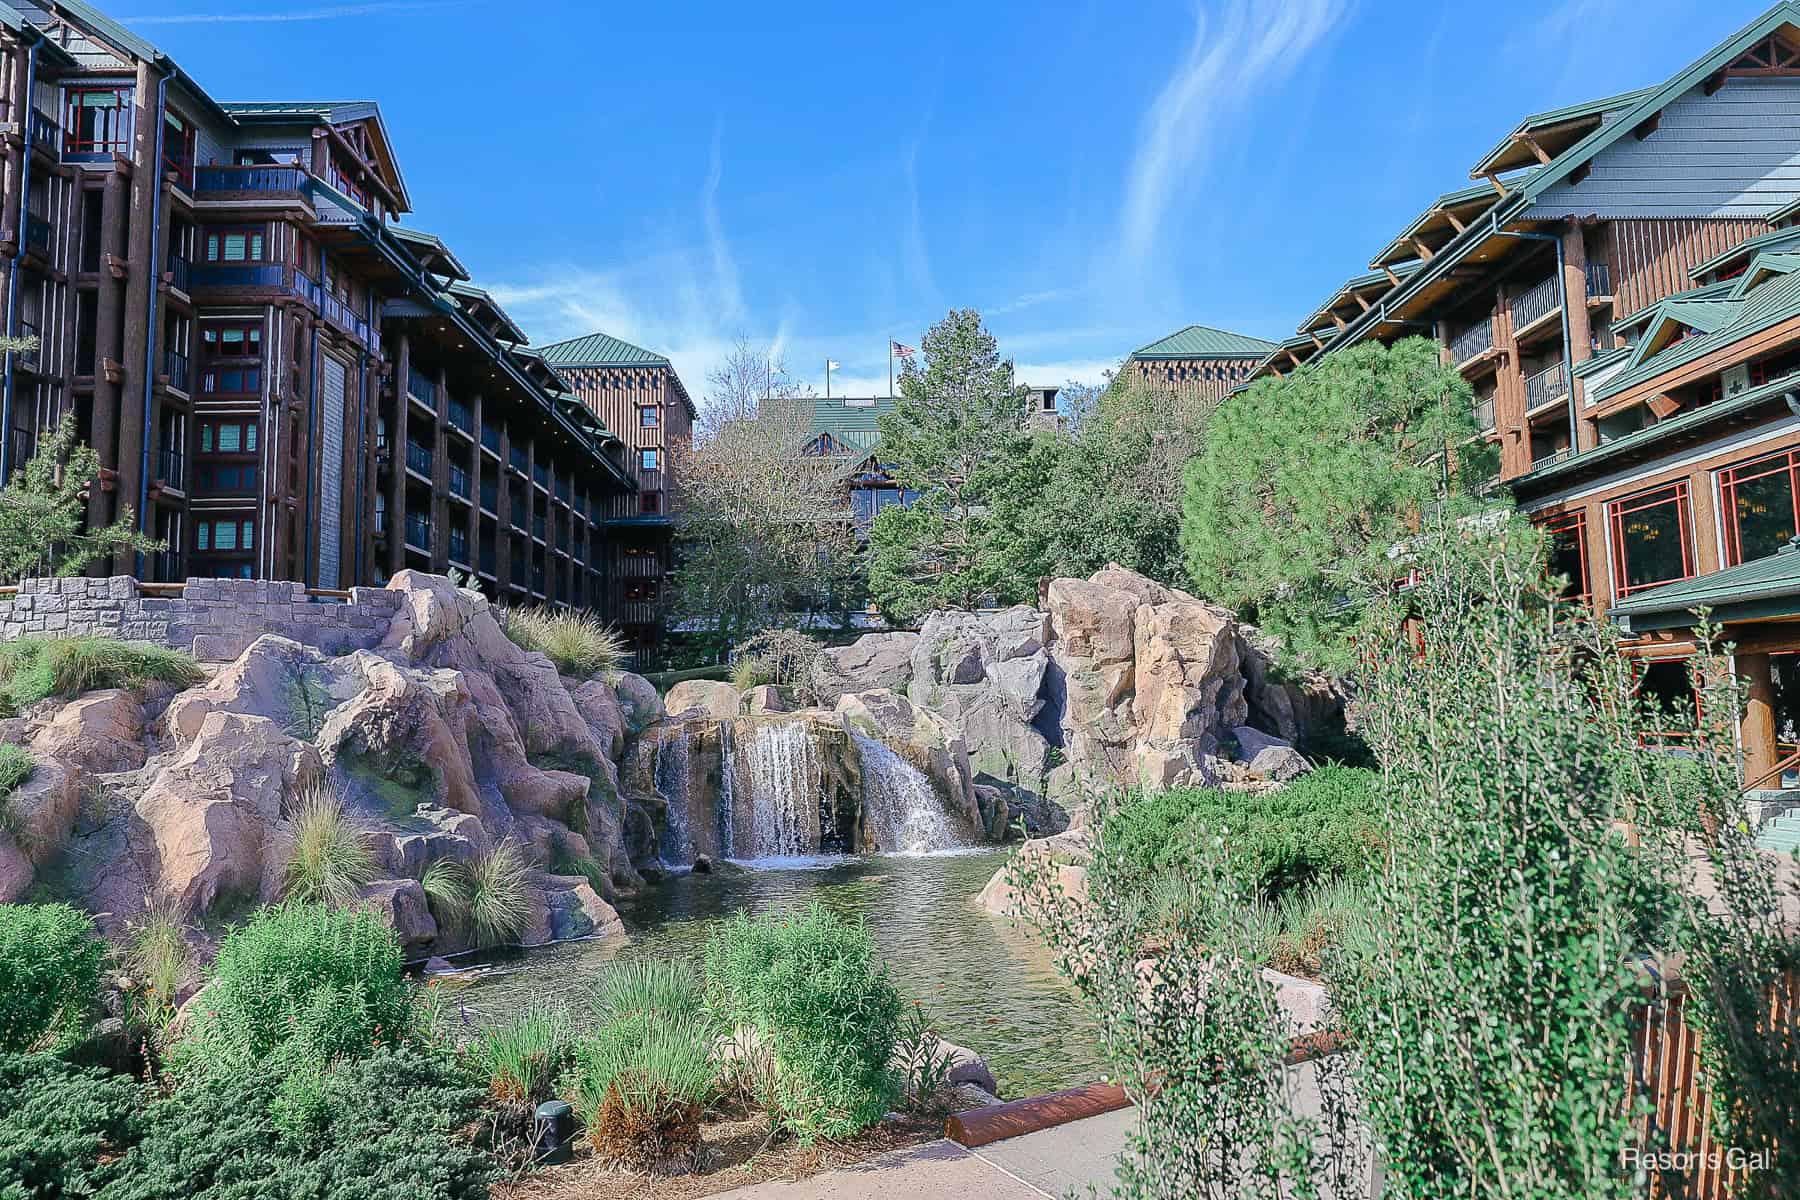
(63, 1127)
(50, 961)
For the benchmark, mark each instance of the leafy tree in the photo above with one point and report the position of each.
(1305, 484)
(956, 431)
(43, 510)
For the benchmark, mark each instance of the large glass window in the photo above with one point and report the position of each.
(1759, 506)
(97, 120)
(234, 245)
(1652, 538)
(1569, 552)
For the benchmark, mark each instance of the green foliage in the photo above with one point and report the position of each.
(746, 673)
(586, 866)
(1326, 824)
(812, 988)
(446, 886)
(331, 860)
(389, 1126)
(639, 1082)
(16, 768)
(62, 1127)
(1305, 484)
(954, 436)
(581, 646)
(298, 986)
(499, 895)
(783, 657)
(924, 1061)
(659, 986)
(158, 960)
(50, 961)
(521, 1057)
(34, 669)
(43, 513)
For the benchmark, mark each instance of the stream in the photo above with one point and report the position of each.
(986, 985)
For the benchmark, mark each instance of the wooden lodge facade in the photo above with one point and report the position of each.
(281, 380)
(1620, 290)
(1198, 363)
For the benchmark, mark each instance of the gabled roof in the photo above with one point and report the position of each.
(1775, 239)
(325, 112)
(431, 252)
(1553, 131)
(1762, 587)
(476, 302)
(600, 350)
(1202, 341)
(1449, 213)
(851, 420)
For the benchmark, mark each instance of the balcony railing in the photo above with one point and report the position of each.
(519, 460)
(540, 475)
(172, 469)
(458, 548)
(29, 359)
(1536, 303)
(1552, 383)
(537, 526)
(423, 389)
(1549, 457)
(418, 458)
(181, 273)
(562, 489)
(345, 318)
(490, 495)
(175, 366)
(460, 416)
(1484, 414)
(490, 437)
(307, 288)
(640, 566)
(257, 181)
(638, 612)
(1472, 341)
(1599, 279)
(459, 482)
(487, 560)
(45, 129)
(418, 531)
(248, 275)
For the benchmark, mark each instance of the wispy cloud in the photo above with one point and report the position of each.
(1247, 46)
(725, 273)
(330, 13)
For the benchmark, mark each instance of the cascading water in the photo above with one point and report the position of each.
(901, 809)
(676, 848)
(727, 791)
(783, 791)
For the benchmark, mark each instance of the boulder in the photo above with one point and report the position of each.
(404, 724)
(599, 706)
(767, 698)
(929, 742)
(400, 905)
(703, 697)
(432, 835)
(1067, 855)
(1268, 758)
(1094, 622)
(16, 871)
(276, 678)
(873, 661)
(42, 810)
(1187, 680)
(214, 812)
(564, 907)
(638, 701)
(100, 732)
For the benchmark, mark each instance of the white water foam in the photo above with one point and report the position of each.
(901, 808)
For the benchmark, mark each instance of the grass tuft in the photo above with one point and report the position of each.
(654, 987)
(158, 960)
(331, 860)
(522, 1058)
(640, 1084)
(580, 645)
(446, 887)
(499, 895)
(16, 768)
(34, 669)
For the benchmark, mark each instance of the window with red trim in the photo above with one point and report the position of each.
(1652, 538)
(248, 244)
(232, 341)
(1567, 533)
(97, 120)
(1759, 505)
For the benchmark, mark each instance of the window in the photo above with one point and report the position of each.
(650, 502)
(226, 535)
(648, 417)
(1652, 539)
(234, 245)
(649, 458)
(1758, 503)
(209, 478)
(231, 379)
(269, 158)
(97, 120)
(232, 341)
(1569, 552)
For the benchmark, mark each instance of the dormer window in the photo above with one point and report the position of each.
(97, 120)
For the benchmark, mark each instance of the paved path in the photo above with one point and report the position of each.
(1050, 1163)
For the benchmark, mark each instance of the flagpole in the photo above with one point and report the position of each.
(828, 379)
(890, 368)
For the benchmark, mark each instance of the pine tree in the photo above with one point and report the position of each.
(43, 509)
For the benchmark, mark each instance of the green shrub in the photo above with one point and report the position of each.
(62, 1127)
(34, 669)
(391, 1126)
(639, 1084)
(521, 1058)
(1326, 824)
(499, 894)
(49, 975)
(16, 767)
(157, 960)
(331, 860)
(661, 986)
(446, 885)
(823, 1008)
(298, 986)
(579, 645)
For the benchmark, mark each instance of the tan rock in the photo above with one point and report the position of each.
(1092, 621)
(767, 698)
(42, 810)
(100, 732)
(1067, 856)
(405, 719)
(706, 697)
(599, 706)
(873, 661)
(638, 701)
(400, 905)
(275, 677)
(1187, 672)
(16, 871)
(565, 907)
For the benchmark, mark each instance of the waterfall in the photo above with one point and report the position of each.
(677, 846)
(784, 806)
(901, 809)
(727, 791)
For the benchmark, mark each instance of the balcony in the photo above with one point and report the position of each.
(171, 468)
(640, 566)
(518, 460)
(490, 495)
(46, 131)
(214, 183)
(175, 366)
(418, 532)
(1599, 280)
(540, 475)
(37, 234)
(562, 489)
(29, 359)
(459, 482)
(423, 389)
(240, 275)
(537, 526)
(1536, 303)
(1484, 415)
(490, 438)
(304, 287)
(458, 549)
(460, 416)
(418, 459)
(638, 612)
(1547, 386)
(1474, 340)
(345, 318)
(181, 274)
(1549, 458)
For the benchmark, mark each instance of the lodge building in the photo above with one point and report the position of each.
(1197, 363)
(280, 379)
(1620, 291)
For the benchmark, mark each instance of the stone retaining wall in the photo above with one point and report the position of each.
(215, 620)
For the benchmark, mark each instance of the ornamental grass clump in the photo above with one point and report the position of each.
(580, 645)
(647, 985)
(640, 1084)
(499, 895)
(332, 859)
(158, 961)
(34, 669)
(50, 960)
(822, 1007)
(522, 1057)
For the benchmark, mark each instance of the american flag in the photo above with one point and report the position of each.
(903, 351)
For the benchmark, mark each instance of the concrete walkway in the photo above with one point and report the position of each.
(1049, 1163)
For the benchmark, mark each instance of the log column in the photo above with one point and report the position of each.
(396, 515)
(1756, 730)
(1581, 337)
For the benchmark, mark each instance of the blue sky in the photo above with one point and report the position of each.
(822, 177)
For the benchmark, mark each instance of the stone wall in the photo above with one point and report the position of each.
(213, 619)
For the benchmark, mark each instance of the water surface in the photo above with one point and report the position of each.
(987, 985)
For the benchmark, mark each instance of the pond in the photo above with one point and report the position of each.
(987, 985)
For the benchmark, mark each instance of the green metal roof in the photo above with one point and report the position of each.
(1761, 588)
(332, 112)
(1201, 341)
(510, 330)
(600, 350)
(1455, 199)
(1775, 239)
(851, 420)
(1560, 116)
(434, 247)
